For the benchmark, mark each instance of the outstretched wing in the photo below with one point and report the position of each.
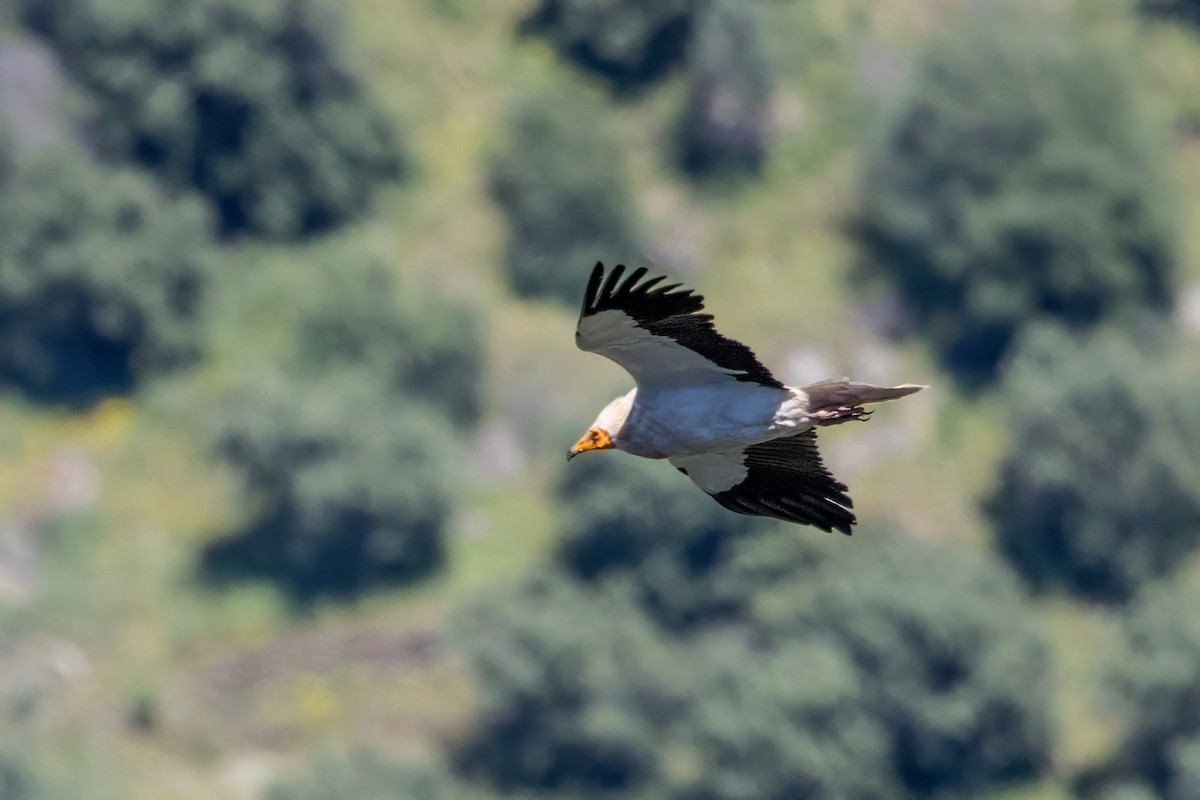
(658, 334)
(782, 478)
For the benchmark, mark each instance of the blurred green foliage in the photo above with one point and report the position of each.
(1017, 179)
(1184, 10)
(102, 278)
(1127, 791)
(910, 686)
(1155, 686)
(632, 43)
(630, 519)
(781, 723)
(563, 186)
(661, 648)
(255, 105)
(1100, 493)
(23, 775)
(15, 782)
(953, 668)
(577, 688)
(346, 455)
(725, 127)
(421, 347)
(351, 489)
(362, 775)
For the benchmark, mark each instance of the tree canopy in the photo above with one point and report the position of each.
(349, 489)
(422, 346)
(254, 105)
(911, 687)
(636, 521)
(103, 278)
(632, 43)
(952, 668)
(576, 688)
(562, 185)
(1100, 493)
(1017, 179)
(1155, 686)
(725, 127)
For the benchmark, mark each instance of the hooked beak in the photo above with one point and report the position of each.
(594, 439)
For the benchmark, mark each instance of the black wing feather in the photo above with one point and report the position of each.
(672, 312)
(787, 480)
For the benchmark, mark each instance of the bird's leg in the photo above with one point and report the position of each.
(836, 415)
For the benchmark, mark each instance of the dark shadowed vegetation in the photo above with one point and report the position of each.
(631, 521)
(349, 490)
(1100, 493)
(910, 687)
(1017, 179)
(951, 668)
(420, 346)
(103, 278)
(1155, 687)
(631, 43)
(564, 189)
(725, 127)
(287, 292)
(577, 688)
(255, 105)
(347, 459)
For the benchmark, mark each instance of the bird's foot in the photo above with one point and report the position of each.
(836, 415)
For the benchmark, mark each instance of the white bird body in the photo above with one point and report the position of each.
(704, 402)
(682, 421)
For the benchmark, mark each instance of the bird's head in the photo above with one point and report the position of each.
(606, 430)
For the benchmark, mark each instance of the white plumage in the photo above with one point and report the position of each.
(704, 402)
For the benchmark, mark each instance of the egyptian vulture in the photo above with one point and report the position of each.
(706, 404)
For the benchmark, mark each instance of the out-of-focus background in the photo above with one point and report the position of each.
(287, 299)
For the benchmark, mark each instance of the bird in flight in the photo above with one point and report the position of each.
(705, 403)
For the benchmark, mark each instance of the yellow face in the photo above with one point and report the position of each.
(594, 439)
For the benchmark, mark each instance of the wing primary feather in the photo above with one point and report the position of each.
(650, 284)
(661, 290)
(631, 281)
(593, 287)
(786, 479)
(614, 278)
(669, 312)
